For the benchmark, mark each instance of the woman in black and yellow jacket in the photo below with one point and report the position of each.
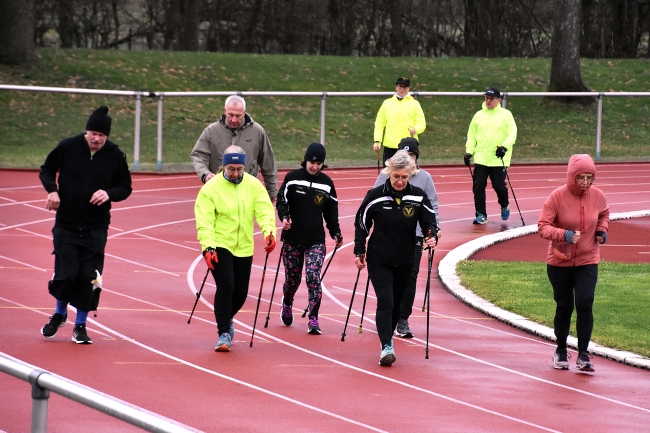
(394, 209)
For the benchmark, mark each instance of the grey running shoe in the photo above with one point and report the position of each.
(312, 327)
(561, 360)
(387, 356)
(80, 336)
(583, 363)
(223, 345)
(56, 322)
(480, 219)
(286, 314)
(403, 329)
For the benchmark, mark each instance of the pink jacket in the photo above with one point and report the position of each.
(571, 208)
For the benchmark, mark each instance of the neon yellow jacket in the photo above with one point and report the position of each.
(224, 214)
(488, 130)
(396, 117)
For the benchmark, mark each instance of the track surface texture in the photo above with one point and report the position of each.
(481, 375)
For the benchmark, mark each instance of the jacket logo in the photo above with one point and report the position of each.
(319, 199)
(408, 211)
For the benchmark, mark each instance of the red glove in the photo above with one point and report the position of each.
(270, 244)
(211, 258)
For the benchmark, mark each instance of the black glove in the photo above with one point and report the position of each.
(467, 158)
(603, 235)
(501, 152)
(339, 239)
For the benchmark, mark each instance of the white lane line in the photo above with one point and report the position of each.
(22, 263)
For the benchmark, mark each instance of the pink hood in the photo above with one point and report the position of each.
(580, 163)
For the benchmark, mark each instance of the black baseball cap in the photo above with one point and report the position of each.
(403, 80)
(410, 144)
(493, 91)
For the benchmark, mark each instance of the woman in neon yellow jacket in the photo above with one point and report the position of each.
(225, 209)
(399, 116)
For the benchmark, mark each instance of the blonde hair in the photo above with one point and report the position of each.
(399, 161)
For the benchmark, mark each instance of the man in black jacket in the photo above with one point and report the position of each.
(92, 173)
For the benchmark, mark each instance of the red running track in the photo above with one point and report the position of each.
(481, 375)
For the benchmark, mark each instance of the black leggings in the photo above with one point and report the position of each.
(390, 284)
(498, 180)
(231, 275)
(565, 281)
(409, 293)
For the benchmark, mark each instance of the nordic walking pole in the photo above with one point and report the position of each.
(304, 313)
(198, 295)
(350, 307)
(275, 281)
(470, 171)
(513, 192)
(427, 295)
(363, 310)
(259, 297)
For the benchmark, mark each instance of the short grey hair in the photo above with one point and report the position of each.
(233, 149)
(236, 99)
(400, 160)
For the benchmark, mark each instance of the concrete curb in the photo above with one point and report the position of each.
(449, 278)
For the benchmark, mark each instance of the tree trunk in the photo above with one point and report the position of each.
(396, 33)
(624, 28)
(16, 31)
(66, 23)
(565, 48)
(189, 34)
(592, 42)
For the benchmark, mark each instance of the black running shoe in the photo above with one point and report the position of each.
(56, 321)
(403, 329)
(80, 336)
(286, 313)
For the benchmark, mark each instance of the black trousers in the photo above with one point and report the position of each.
(497, 178)
(409, 293)
(567, 282)
(388, 153)
(77, 255)
(390, 284)
(231, 275)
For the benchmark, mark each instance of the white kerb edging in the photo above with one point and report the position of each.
(449, 278)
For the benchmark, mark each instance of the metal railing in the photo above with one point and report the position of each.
(323, 105)
(44, 382)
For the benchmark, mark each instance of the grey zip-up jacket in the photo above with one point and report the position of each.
(208, 151)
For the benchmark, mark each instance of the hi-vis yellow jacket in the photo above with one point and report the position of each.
(224, 214)
(490, 129)
(395, 118)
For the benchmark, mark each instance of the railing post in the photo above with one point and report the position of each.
(322, 118)
(599, 121)
(40, 396)
(161, 98)
(136, 134)
(504, 100)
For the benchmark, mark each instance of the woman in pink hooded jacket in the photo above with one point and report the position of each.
(574, 219)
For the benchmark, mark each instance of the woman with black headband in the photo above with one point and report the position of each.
(224, 211)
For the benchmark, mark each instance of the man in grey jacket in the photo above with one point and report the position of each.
(236, 127)
(423, 180)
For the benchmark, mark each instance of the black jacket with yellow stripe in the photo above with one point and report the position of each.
(307, 200)
(393, 216)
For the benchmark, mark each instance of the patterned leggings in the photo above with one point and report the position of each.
(293, 259)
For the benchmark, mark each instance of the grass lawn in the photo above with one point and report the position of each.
(32, 122)
(620, 307)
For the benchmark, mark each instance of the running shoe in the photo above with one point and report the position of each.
(583, 363)
(56, 322)
(312, 327)
(505, 212)
(286, 314)
(80, 336)
(231, 331)
(223, 345)
(480, 219)
(387, 356)
(403, 329)
(561, 360)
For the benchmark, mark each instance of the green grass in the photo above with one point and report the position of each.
(32, 123)
(620, 307)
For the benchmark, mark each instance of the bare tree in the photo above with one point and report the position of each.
(565, 64)
(17, 31)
